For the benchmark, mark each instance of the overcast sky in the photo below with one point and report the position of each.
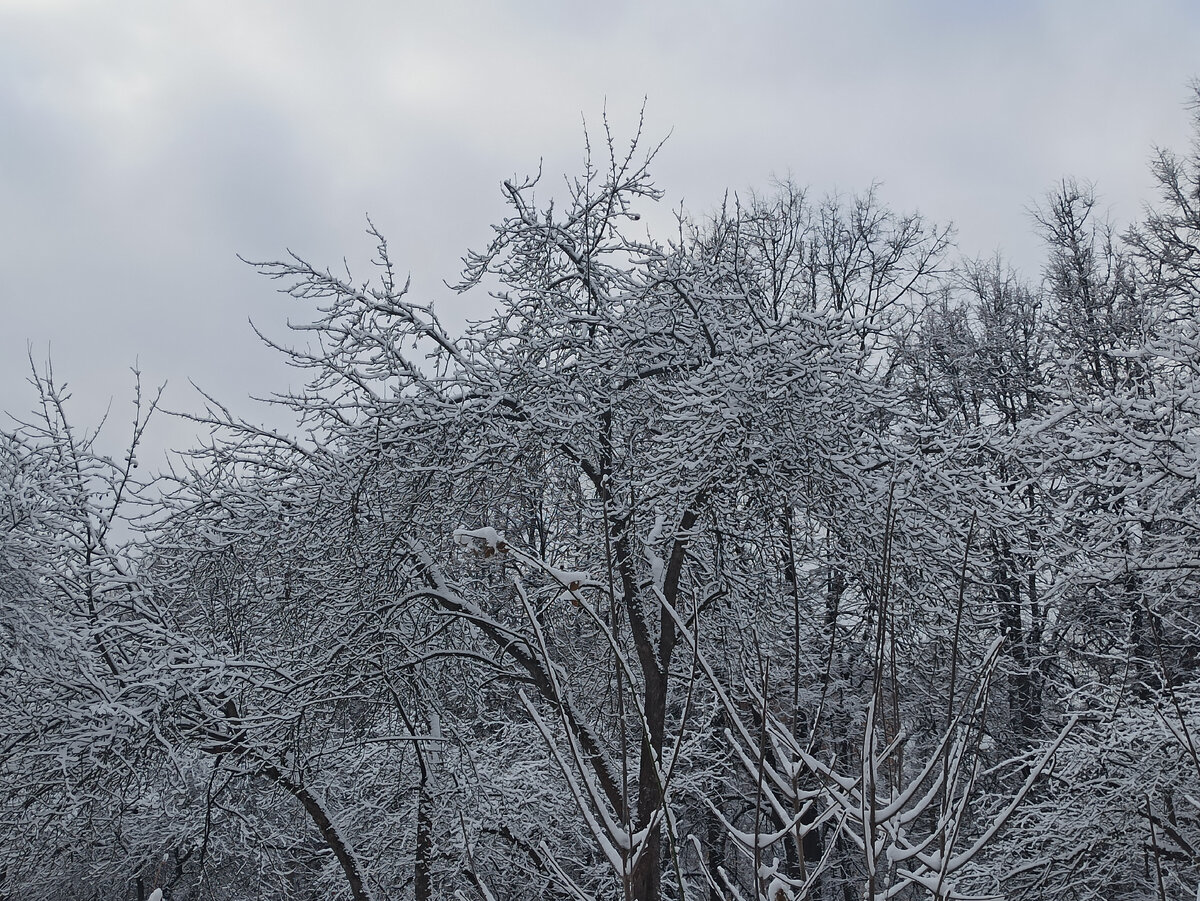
(143, 145)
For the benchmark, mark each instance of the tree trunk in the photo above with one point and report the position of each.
(329, 832)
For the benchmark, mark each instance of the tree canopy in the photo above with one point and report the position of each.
(785, 556)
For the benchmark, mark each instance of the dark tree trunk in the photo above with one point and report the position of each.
(423, 881)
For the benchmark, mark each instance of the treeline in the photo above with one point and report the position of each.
(785, 557)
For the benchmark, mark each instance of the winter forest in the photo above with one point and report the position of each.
(782, 555)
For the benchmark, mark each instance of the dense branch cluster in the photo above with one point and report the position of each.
(786, 558)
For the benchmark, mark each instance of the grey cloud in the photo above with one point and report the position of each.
(145, 144)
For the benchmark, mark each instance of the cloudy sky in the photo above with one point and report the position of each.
(143, 145)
